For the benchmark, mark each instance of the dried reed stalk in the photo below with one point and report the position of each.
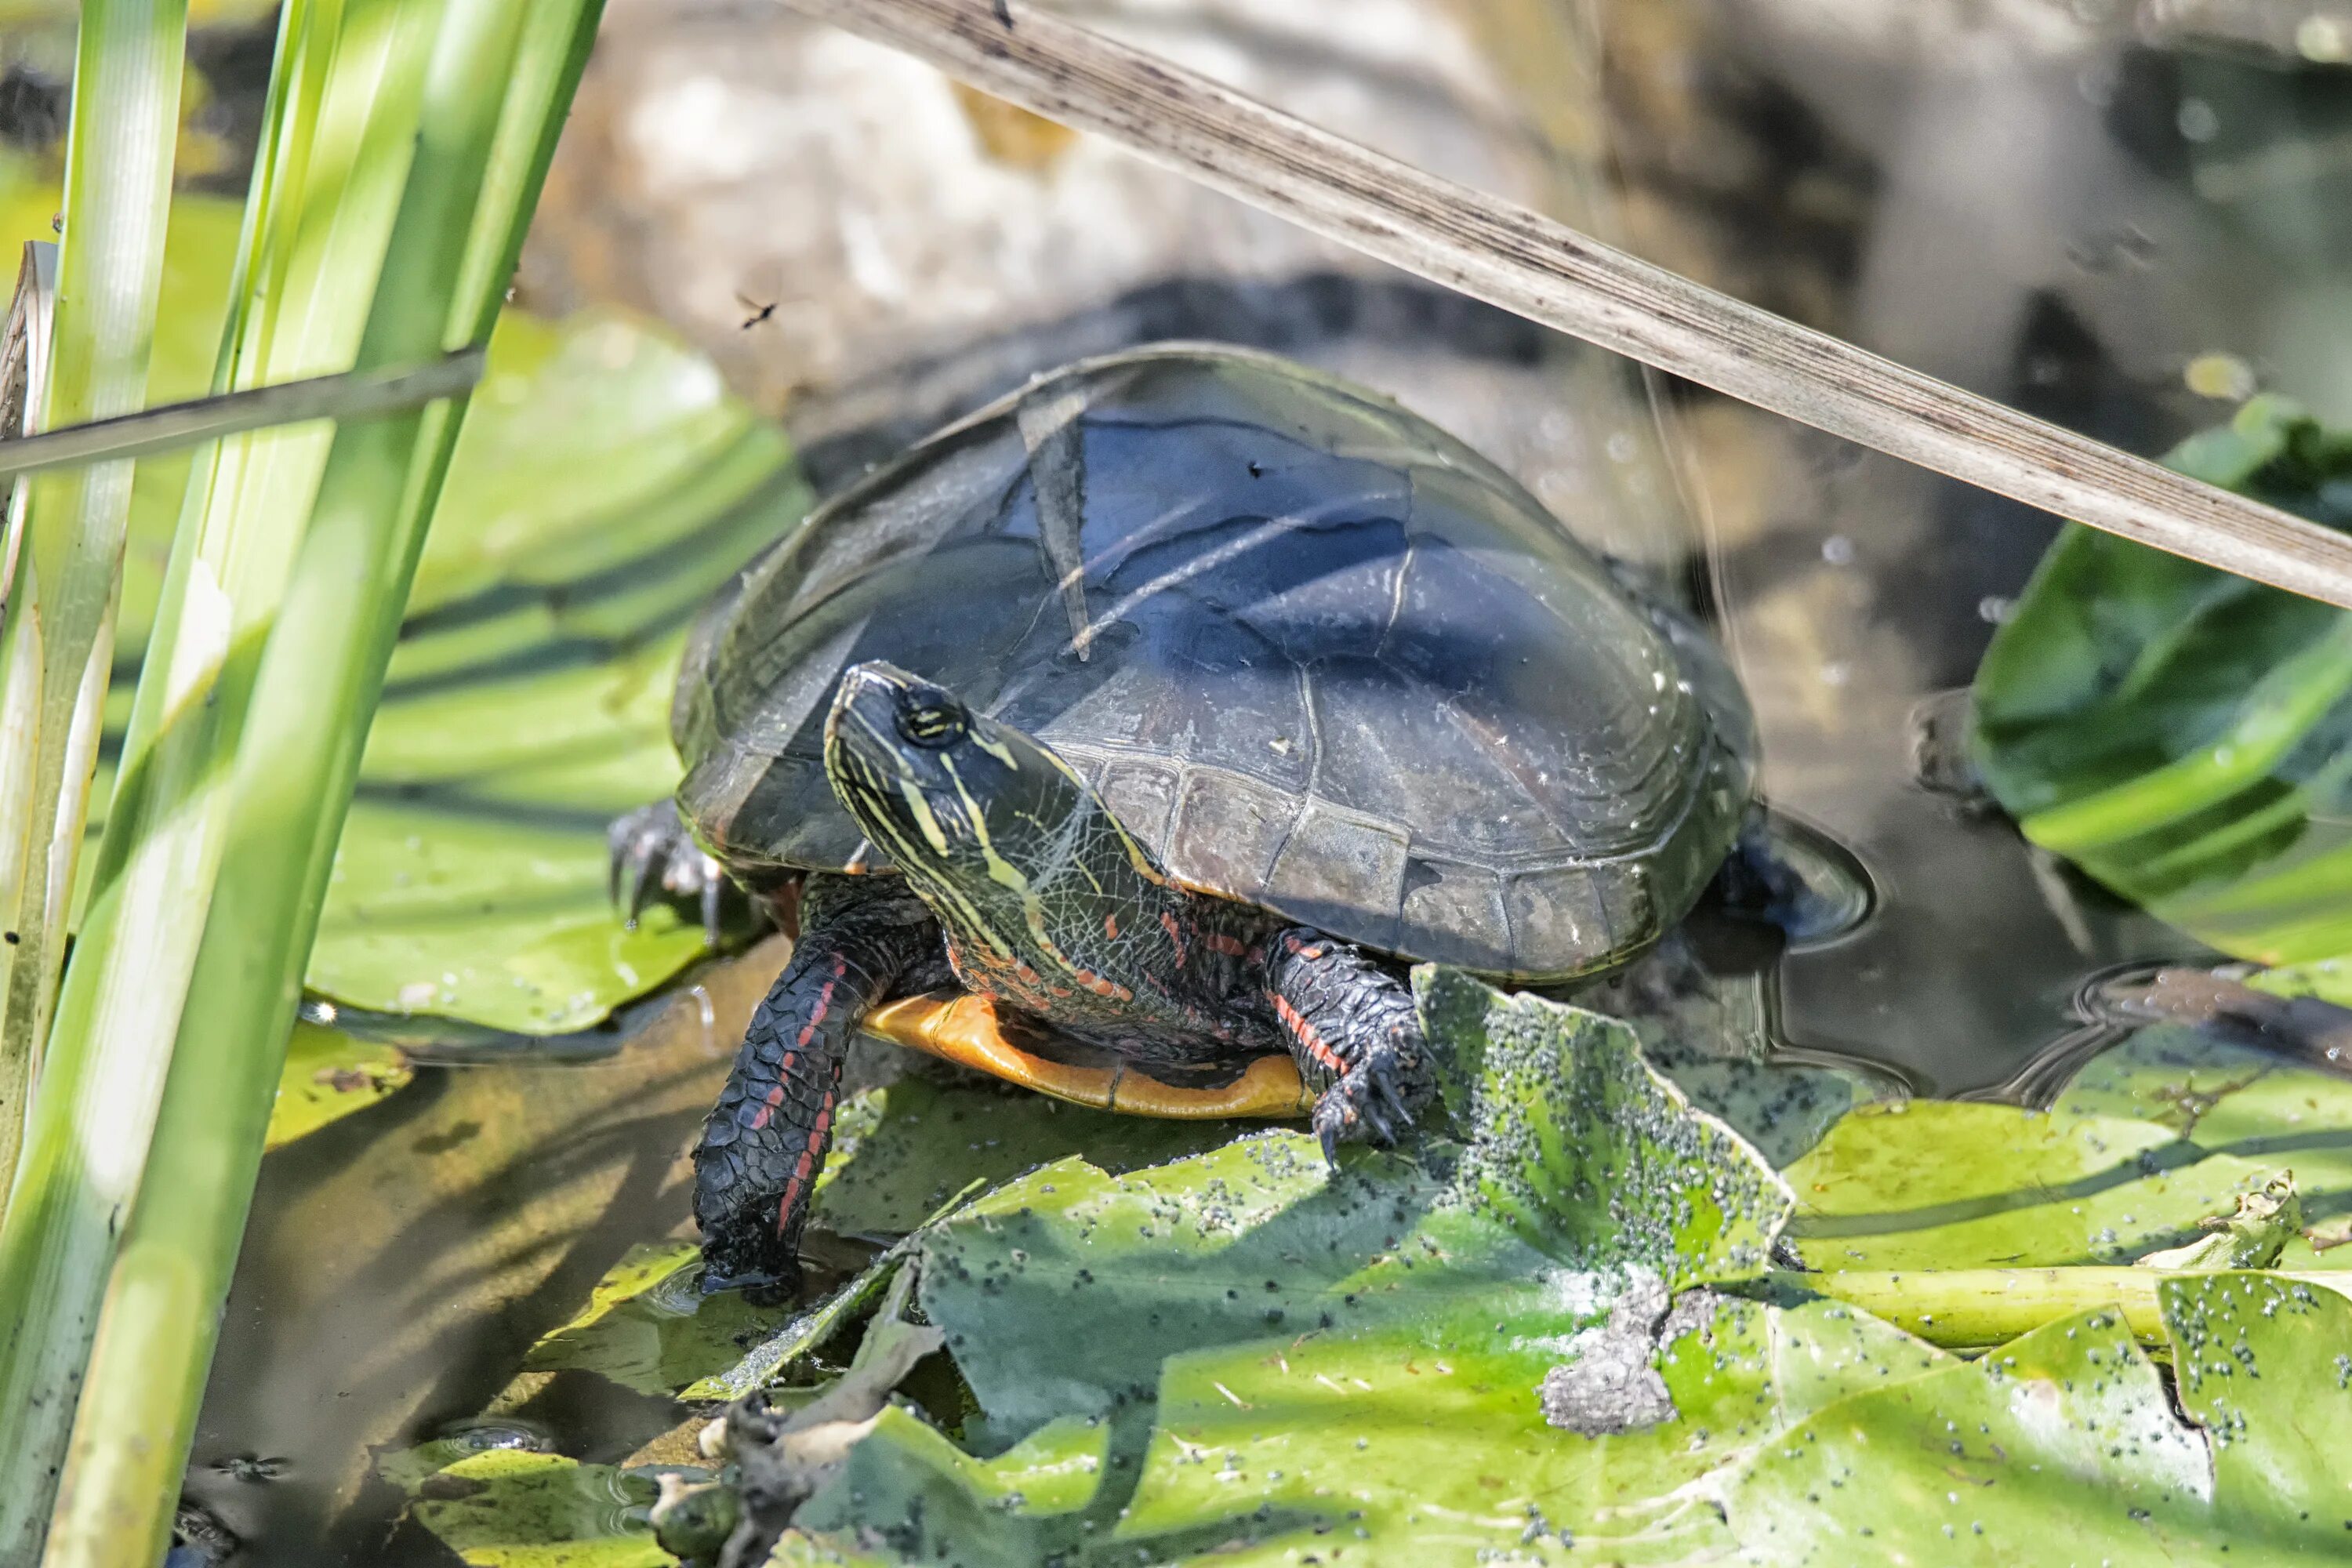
(1528, 264)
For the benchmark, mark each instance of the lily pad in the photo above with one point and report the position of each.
(647, 1326)
(2064, 1447)
(2184, 735)
(2262, 1365)
(606, 483)
(1576, 1142)
(515, 1508)
(905, 1149)
(1940, 1184)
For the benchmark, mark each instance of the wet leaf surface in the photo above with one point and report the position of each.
(649, 1327)
(2060, 1446)
(2150, 1137)
(329, 1075)
(1576, 1142)
(2064, 1447)
(2265, 1366)
(515, 1508)
(1239, 1355)
(2183, 735)
(907, 1148)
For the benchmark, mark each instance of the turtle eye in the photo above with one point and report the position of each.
(932, 719)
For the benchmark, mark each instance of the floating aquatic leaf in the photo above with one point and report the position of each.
(906, 1149)
(2265, 1366)
(1249, 1352)
(329, 1075)
(2060, 1446)
(1579, 1145)
(516, 1509)
(2064, 1447)
(648, 1325)
(2184, 735)
(1935, 1184)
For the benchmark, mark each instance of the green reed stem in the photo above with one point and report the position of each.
(496, 91)
(58, 639)
(329, 168)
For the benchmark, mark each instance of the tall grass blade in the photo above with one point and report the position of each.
(500, 78)
(124, 128)
(23, 383)
(332, 161)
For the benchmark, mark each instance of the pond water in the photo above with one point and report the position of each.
(2061, 208)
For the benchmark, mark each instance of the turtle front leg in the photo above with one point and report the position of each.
(861, 940)
(1354, 1031)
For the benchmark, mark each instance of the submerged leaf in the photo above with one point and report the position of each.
(648, 1325)
(2184, 735)
(515, 1508)
(328, 1076)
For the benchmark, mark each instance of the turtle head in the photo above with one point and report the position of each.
(954, 798)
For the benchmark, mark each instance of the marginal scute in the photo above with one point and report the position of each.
(1317, 654)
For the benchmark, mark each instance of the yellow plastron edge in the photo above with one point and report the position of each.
(959, 1027)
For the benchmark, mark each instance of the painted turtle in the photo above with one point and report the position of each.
(1144, 724)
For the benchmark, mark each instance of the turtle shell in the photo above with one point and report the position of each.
(1316, 653)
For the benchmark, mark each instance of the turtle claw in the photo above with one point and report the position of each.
(650, 849)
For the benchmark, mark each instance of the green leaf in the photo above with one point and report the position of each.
(1578, 1144)
(2265, 1366)
(1405, 1445)
(2183, 735)
(513, 1509)
(2063, 1447)
(903, 1151)
(647, 1326)
(2059, 1447)
(1939, 1184)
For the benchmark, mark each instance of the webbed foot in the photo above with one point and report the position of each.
(1373, 1101)
(650, 849)
(1353, 1031)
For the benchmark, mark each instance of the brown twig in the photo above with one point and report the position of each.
(1526, 263)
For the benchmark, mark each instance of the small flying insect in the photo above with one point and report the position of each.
(758, 312)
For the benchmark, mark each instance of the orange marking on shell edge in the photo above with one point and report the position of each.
(1110, 927)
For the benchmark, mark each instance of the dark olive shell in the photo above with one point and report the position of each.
(1318, 655)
